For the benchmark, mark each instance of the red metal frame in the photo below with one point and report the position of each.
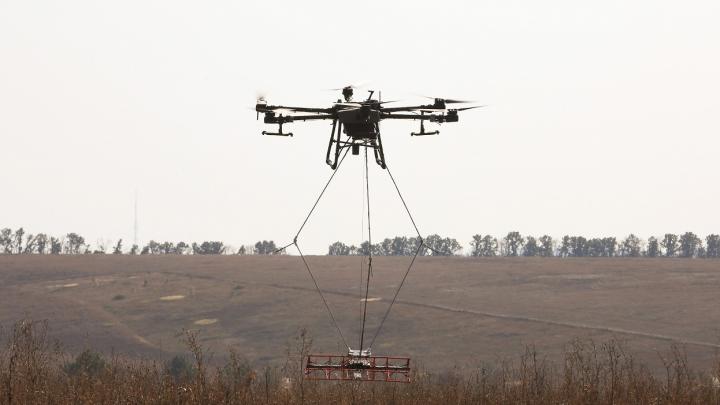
(357, 368)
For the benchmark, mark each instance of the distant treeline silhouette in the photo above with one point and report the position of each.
(514, 244)
(20, 242)
(687, 245)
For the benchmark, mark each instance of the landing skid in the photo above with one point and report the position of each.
(335, 146)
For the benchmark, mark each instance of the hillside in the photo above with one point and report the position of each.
(452, 311)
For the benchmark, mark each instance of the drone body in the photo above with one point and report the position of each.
(360, 121)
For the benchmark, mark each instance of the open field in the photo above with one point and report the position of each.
(452, 311)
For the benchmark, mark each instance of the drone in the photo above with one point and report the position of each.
(359, 120)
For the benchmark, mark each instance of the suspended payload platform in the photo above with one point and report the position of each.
(357, 366)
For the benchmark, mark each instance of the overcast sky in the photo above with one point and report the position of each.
(602, 117)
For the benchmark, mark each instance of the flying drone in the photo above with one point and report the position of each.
(359, 120)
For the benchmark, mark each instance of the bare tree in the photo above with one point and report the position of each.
(712, 242)
(55, 246)
(653, 249)
(546, 246)
(690, 245)
(6, 240)
(531, 247)
(630, 246)
(42, 242)
(74, 243)
(564, 250)
(670, 244)
(118, 248)
(18, 240)
(513, 243)
(30, 244)
(338, 249)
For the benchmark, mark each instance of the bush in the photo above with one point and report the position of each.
(88, 362)
(180, 368)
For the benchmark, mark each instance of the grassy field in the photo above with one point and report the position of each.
(452, 311)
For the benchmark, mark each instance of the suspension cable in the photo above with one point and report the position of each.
(369, 271)
(420, 245)
(404, 203)
(307, 266)
(317, 287)
(316, 203)
(362, 239)
(411, 217)
(397, 292)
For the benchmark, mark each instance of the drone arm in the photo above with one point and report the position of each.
(312, 117)
(271, 118)
(407, 117)
(407, 109)
(265, 108)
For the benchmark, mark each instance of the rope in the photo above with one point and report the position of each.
(362, 239)
(369, 272)
(321, 194)
(404, 204)
(317, 287)
(294, 242)
(421, 244)
(397, 292)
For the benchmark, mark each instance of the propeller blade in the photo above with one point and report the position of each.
(355, 86)
(469, 108)
(450, 100)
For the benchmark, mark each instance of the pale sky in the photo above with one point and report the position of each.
(602, 117)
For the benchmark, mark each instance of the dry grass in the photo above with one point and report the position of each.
(33, 370)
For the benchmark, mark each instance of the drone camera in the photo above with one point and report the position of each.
(355, 149)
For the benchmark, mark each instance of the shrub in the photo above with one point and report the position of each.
(88, 362)
(180, 368)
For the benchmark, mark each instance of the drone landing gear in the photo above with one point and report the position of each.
(335, 146)
(280, 132)
(422, 129)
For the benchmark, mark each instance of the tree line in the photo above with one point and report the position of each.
(21, 242)
(434, 245)
(515, 244)
(687, 245)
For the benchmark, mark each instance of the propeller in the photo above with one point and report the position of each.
(468, 108)
(259, 100)
(450, 100)
(354, 86)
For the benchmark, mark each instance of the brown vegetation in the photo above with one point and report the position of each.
(33, 371)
